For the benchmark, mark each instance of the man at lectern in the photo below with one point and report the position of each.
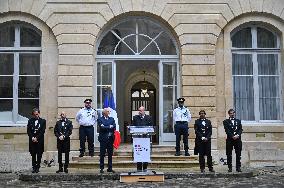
(142, 119)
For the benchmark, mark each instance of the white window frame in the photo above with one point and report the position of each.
(16, 50)
(254, 51)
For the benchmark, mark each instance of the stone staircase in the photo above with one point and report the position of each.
(162, 157)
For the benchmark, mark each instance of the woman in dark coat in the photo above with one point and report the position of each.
(63, 130)
(36, 129)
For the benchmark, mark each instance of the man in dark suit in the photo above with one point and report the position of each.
(142, 120)
(233, 129)
(203, 131)
(63, 130)
(36, 129)
(106, 127)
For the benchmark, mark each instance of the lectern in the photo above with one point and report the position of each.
(142, 148)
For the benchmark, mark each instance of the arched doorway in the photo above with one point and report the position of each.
(138, 44)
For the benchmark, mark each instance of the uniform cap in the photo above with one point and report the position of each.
(87, 100)
(181, 99)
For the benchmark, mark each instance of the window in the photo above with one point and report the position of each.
(138, 36)
(20, 50)
(256, 74)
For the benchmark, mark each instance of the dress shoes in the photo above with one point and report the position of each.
(110, 170)
(177, 153)
(60, 170)
(238, 170)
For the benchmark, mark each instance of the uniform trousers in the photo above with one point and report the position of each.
(36, 160)
(86, 131)
(181, 128)
(237, 145)
(66, 163)
(106, 145)
(204, 148)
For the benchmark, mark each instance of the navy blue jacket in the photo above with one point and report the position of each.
(106, 132)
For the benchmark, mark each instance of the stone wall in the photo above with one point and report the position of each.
(201, 27)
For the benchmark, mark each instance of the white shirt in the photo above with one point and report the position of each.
(181, 114)
(86, 117)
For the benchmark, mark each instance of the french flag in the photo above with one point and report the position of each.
(109, 103)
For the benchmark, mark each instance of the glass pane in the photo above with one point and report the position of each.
(169, 97)
(269, 100)
(169, 74)
(149, 28)
(126, 28)
(242, 64)
(104, 73)
(151, 50)
(6, 107)
(101, 93)
(7, 36)
(6, 87)
(29, 86)
(267, 64)
(166, 45)
(29, 64)
(244, 97)
(25, 108)
(131, 42)
(242, 38)
(6, 64)
(266, 39)
(29, 38)
(108, 44)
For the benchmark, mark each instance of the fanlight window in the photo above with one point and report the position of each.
(137, 37)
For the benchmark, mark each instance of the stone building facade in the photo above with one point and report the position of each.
(226, 54)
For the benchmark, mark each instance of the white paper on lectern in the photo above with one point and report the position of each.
(141, 149)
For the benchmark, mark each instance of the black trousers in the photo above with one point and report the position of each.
(204, 149)
(86, 132)
(66, 163)
(181, 129)
(36, 160)
(237, 145)
(106, 145)
(140, 165)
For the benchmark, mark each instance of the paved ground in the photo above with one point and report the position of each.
(267, 177)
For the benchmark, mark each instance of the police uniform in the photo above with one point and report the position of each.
(36, 128)
(86, 117)
(63, 128)
(139, 120)
(203, 129)
(181, 117)
(106, 127)
(233, 127)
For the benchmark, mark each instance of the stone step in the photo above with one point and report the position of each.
(131, 164)
(129, 152)
(130, 158)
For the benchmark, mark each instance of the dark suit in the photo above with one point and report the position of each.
(106, 137)
(36, 148)
(63, 127)
(231, 130)
(142, 121)
(203, 128)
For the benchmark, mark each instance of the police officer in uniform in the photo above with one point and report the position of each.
(181, 117)
(203, 131)
(106, 127)
(36, 129)
(63, 131)
(142, 120)
(86, 117)
(233, 129)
